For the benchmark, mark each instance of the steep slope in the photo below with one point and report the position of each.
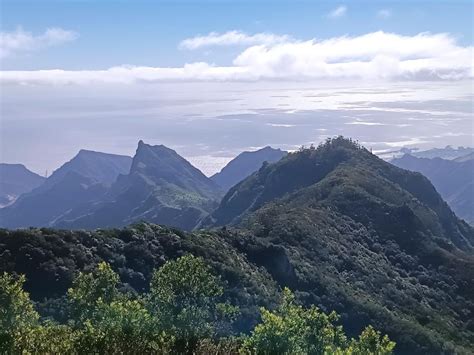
(354, 233)
(43, 207)
(162, 187)
(101, 167)
(464, 158)
(245, 164)
(83, 179)
(16, 179)
(50, 259)
(453, 179)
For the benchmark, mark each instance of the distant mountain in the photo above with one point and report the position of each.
(454, 180)
(466, 157)
(245, 164)
(354, 233)
(162, 187)
(43, 207)
(16, 179)
(101, 167)
(345, 230)
(448, 152)
(84, 179)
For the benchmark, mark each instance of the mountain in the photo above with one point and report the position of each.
(83, 179)
(453, 179)
(16, 179)
(162, 187)
(448, 152)
(464, 158)
(351, 232)
(345, 230)
(101, 167)
(245, 164)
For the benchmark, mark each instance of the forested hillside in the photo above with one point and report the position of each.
(185, 312)
(342, 229)
(453, 179)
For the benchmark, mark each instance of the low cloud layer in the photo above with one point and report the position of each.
(373, 56)
(20, 41)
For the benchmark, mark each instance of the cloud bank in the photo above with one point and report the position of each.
(373, 56)
(12, 43)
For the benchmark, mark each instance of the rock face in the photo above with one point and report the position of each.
(453, 179)
(162, 187)
(244, 165)
(83, 179)
(16, 179)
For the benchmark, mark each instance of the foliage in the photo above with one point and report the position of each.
(292, 329)
(17, 315)
(177, 316)
(184, 298)
(92, 290)
(343, 229)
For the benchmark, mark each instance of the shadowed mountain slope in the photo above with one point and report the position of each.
(245, 164)
(83, 179)
(453, 179)
(16, 179)
(162, 187)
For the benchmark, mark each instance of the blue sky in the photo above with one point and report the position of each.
(147, 33)
(213, 78)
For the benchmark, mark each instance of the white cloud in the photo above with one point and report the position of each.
(231, 38)
(377, 56)
(384, 14)
(19, 41)
(338, 12)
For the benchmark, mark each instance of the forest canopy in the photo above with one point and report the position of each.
(184, 312)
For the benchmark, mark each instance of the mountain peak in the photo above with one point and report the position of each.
(245, 164)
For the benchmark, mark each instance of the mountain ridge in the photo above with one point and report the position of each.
(244, 165)
(16, 179)
(453, 179)
(162, 187)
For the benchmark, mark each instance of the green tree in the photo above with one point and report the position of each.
(91, 289)
(17, 314)
(184, 298)
(293, 329)
(123, 326)
(372, 342)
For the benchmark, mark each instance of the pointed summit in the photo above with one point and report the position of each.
(159, 163)
(162, 187)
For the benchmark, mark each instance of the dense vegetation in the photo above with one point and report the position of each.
(341, 228)
(356, 234)
(182, 313)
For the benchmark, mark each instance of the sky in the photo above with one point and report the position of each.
(213, 78)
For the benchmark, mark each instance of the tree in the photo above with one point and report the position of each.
(17, 314)
(184, 298)
(90, 289)
(292, 329)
